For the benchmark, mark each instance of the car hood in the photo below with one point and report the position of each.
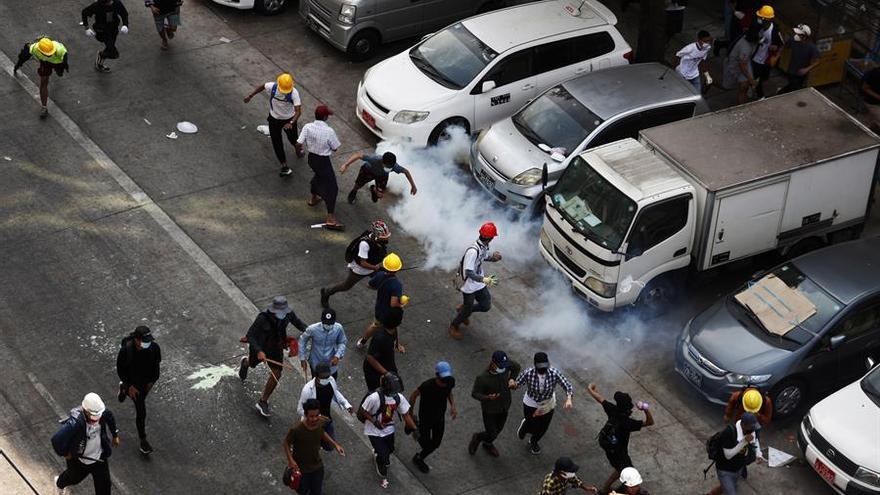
(850, 421)
(722, 339)
(397, 84)
(509, 151)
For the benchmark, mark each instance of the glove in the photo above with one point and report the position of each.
(89, 32)
(708, 79)
(123, 30)
(491, 280)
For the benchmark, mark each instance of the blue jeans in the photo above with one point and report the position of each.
(479, 301)
(696, 83)
(728, 480)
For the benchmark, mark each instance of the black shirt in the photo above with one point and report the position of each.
(740, 460)
(324, 394)
(387, 286)
(382, 349)
(872, 79)
(625, 425)
(434, 399)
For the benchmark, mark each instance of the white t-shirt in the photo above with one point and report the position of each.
(279, 107)
(363, 252)
(691, 56)
(388, 416)
(473, 260)
(93, 444)
(527, 400)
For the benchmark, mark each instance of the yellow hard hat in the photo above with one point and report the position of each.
(752, 400)
(285, 83)
(392, 263)
(766, 12)
(404, 300)
(46, 47)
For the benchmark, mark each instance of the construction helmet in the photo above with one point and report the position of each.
(285, 83)
(93, 404)
(392, 263)
(488, 230)
(630, 477)
(752, 400)
(46, 47)
(379, 230)
(766, 12)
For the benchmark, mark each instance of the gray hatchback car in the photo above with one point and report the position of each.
(727, 346)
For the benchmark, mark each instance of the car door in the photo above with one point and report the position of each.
(561, 60)
(860, 329)
(399, 18)
(437, 14)
(514, 83)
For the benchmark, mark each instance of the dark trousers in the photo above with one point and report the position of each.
(761, 73)
(430, 436)
(493, 424)
(324, 181)
(536, 426)
(276, 128)
(349, 282)
(312, 483)
(77, 471)
(383, 447)
(331, 431)
(109, 40)
(140, 411)
(365, 177)
(795, 82)
(477, 302)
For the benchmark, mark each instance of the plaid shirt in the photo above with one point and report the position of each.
(557, 485)
(533, 386)
(319, 138)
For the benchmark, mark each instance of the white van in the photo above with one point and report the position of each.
(480, 70)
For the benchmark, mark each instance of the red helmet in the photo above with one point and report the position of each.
(488, 230)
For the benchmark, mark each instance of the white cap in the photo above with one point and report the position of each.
(803, 30)
(93, 404)
(630, 477)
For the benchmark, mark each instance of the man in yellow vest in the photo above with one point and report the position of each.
(52, 56)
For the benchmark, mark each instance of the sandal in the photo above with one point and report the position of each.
(334, 226)
(314, 203)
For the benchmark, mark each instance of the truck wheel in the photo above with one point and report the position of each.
(804, 246)
(270, 7)
(441, 132)
(363, 45)
(656, 299)
(788, 396)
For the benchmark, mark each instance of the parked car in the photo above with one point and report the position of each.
(728, 346)
(594, 109)
(840, 437)
(358, 27)
(265, 7)
(480, 70)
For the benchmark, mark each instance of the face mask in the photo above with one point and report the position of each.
(704, 46)
(541, 371)
(327, 327)
(797, 37)
(498, 371)
(324, 381)
(388, 170)
(389, 398)
(145, 345)
(567, 476)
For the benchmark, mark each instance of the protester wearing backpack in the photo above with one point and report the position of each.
(377, 412)
(364, 256)
(731, 450)
(614, 435)
(474, 283)
(84, 441)
(137, 365)
(285, 108)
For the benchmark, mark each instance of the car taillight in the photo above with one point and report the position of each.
(628, 56)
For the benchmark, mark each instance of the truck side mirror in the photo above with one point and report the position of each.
(836, 341)
(487, 86)
(544, 176)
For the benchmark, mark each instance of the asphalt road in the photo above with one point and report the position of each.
(106, 224)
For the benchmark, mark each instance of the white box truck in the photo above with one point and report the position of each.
(627, 219)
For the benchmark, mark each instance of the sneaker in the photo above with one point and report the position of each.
(243, 368)
(146, 448)
(373, 194)
(263, 409)
(521, 431)
(98, 61)
(121, 395)
(455, 332)
(60, 491)
(352, 197)
(534, 448)
(361, 343)
(325, 298)
(44, 112)
(285, 171)
(421, 464)
(103, 68)
(473, 444)
(491, 450)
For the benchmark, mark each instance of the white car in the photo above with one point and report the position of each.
(266, 7)
(840, 437)
(482, 69)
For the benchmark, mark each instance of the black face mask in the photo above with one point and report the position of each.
(541, 371)
(383, 242)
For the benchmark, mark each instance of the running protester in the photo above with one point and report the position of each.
(376, 169)
(137, 365)
(84, 441)
(285, 107)
(52, 55)
(323, 388)
(539, 400)
(475, 284)
(108, 14)
(364, 256)
(302, 449)
(435, 393)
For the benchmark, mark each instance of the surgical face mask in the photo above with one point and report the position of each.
(327, 327)
(566, 475)
(798, 37)
(324, 381)
(388, 170)
(703, 46)
(498, 371)
(390, 398)
(145, 345)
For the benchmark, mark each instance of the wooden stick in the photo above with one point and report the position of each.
(284, 364)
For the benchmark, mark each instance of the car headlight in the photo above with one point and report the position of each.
(410, 116)
(808, 424)
(347, 13)
(604, 289)
(528, 178)
(740, 379)
(867, 476)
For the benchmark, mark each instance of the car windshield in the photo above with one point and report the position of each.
(826, 305)
(453, 57)
(871, 385)
(556, 119)
(596, 208)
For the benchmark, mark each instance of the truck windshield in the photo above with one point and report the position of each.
(452, 57)
(556, 119)
(596, 208)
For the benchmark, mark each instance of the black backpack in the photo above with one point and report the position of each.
(607, 437)
(714, 449)
(363, 416)
(352, 250)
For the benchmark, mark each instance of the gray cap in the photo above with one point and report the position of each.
(279, 307)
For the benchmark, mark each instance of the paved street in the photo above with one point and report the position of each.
(106, 224)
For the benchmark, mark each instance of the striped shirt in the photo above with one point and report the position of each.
(538, 392)
(319, 138)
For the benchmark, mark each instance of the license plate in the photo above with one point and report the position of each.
(369, 119)
(488, 182)
(693, 375)
(824, 471)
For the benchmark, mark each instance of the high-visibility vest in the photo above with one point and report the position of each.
(56, 57)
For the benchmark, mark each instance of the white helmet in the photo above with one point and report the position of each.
(93, 404)
(630, 477)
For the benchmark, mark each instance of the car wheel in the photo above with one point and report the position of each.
(441, 132)
(788, 396)
(657, 297)
(270, 7)
(363, 45)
